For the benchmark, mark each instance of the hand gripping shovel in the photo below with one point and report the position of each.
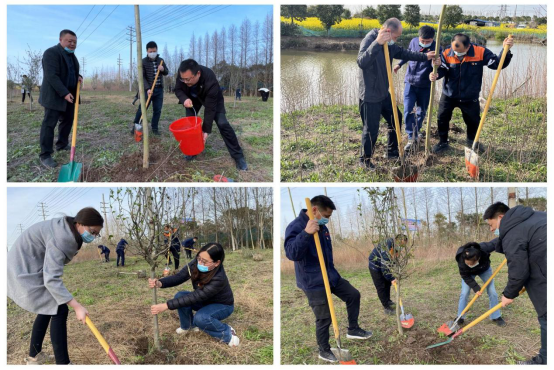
(451, 327)
(432, 97)
(472, 324)
(138, 126)
(472, 158)
(72, 171)
(403, 173)
(102, 341)
(407, 320)
(343, 355)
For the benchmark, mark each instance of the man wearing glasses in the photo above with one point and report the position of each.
(197, 87)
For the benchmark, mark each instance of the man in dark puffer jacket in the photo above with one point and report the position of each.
(521, 235)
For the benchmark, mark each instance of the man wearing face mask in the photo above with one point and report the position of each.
(462, 69)
(35, 265)
(197, 87)
(300, 248)
(474, 260)
(150, 66)
(521, 233)
(375, 100)
(57, 95)
(417, 87)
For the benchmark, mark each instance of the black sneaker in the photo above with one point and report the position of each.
(478, 147)
(410, 146)
(393, 155)
(500, 322)
(533, 361)
(389, 311)
(48, 162)
(440, 147)
(461, 321)
(358, 333)
(367, 165)
(391, 304)
(327, 356)
(67, 147)
(241, 164)
(156, 132)
(189, 158)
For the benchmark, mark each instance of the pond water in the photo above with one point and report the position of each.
(313, 77)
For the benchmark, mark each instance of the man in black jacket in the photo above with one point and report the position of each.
(57, 95)
(150, 65)
(375, 100)
(521, 235)
(197, 87)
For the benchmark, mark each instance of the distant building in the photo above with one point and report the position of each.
(482, 23)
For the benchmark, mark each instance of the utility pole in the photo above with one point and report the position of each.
(42, 211)
(130, 28)
(119, 68)
(84, 72)
(215, 216)
(292, 204)
(103, 207)
(511, 197)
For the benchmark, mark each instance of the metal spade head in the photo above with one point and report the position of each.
(448, 328)
(441, 343)
(343, 355)
(407, 320)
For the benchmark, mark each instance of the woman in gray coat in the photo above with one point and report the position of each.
(35, 269)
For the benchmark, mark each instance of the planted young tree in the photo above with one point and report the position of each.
(33, 63)
(386, 225)
(329, 15)
(411, 15)
(12, 76)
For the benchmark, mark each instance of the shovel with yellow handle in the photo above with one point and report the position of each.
(138, 126)
(102, 341)
(406, 319)
(451, 327)
(72, 171)
(472, 158)
(471, 325)
(343, 355)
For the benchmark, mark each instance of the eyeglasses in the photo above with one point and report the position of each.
(96, 234)
(203, 261)
(185, 80)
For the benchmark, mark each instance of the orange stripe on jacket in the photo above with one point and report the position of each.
(478, 53)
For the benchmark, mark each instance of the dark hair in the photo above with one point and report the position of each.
(494, 210)
(189, 65)
(464, 39)
(89, 217)
(217, 253)
(151, 45)
(426, 32)
(168, 226)
(195, 237)
(472, 251)
(401, 236)
(392, 23)
(65, 32)
(323, 201)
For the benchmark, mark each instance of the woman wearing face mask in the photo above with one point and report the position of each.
(35, 269)
(474, 261)
(212, 298)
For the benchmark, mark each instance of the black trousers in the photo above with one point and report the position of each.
(107, 256)
(176, 257)
(225, 129)
(371, 116)
(383, 287)
(23, 97)
(542, 352)
(58, 334)
(318, 302)
(471, 113)
(120, 256)
(188, 253)
(157, 100)
(51, 119)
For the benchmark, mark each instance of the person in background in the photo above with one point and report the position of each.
(35, 284)
(238, 94)
(25, 88)
(120, 250)
(188, 245)
(105, 251)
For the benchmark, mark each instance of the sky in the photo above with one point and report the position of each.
(101, 29)
(486, 10)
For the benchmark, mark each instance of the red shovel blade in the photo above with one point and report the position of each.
(445, 329)
(351, 362)
(407, 324)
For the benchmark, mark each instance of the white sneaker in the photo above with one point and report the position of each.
(39, 359)
(234, 342)
(184, 331)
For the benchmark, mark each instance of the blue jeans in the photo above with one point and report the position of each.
(207, 318)
(415, 95)
(120, 256)
(157, 101)
(491, 292)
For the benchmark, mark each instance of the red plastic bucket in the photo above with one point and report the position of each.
(188, 131)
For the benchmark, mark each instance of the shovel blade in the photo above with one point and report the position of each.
(70, 172)
(343, 355)
(407, 321)
(405, 173)
(472, 163)
(445, 329)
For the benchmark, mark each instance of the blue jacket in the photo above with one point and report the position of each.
(463, 79)
(300, 248)
(380, 254)
(418, 72)
(189, 243)
(104, 249)
(121, 245)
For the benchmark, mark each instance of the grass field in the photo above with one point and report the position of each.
(431, 295)
(109, 153)
(322, 144)
(119, 305)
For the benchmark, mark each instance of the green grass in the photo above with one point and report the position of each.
(430, 294)
(109, 153)
(119, 306)
(322, 144)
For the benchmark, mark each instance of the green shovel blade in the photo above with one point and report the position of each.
(70, 172)
(441, 344)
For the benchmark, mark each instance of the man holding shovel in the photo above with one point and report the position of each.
(198, 86)
(462, 68)
(375, 100)
(57, 94)
(521, 235)
(300, 247)
(151, 64)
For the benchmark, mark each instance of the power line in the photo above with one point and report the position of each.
(99, 25)
(94, 18)
(77, 30)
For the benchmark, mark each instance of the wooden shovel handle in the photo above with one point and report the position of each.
(324, 273)
(152, 89)
(75, 119)
(489, 99)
